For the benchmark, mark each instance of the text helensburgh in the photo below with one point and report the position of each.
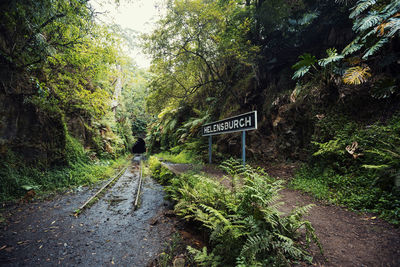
(239, 123)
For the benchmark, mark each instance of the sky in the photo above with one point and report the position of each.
(138, 15)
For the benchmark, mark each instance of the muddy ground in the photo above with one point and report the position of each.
(45, 233)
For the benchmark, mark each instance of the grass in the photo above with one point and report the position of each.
(15, 178)
(312, 185)
(183, 156)
(351, 190)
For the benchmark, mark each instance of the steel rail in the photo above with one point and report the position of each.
(85, 205)
(135, 205)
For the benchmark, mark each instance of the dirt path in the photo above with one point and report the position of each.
(109, 233)
(348, 238)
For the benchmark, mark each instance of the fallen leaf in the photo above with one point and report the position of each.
(373, 218)
(40, 246)
(3, 247)
(53, 222)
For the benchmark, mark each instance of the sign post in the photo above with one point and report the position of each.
(244, 147)
(241, 123)
(209, 149)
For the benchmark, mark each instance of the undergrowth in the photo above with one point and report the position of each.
(355, 165)
(183, 156)
(244, 226)
(17, 178)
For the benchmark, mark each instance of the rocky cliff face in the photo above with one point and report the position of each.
(28, 132)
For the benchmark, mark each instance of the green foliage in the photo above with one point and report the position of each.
(244, 225)
(333, 56)
(328, 66)
(173, 248)
(384, 88)
(183, 156)
(203, 258)
(375, 22)
(16, 177)
(163, 174)
(304, 65)
(355, 165)
(178, 129)
(74, 151)
(33, 30)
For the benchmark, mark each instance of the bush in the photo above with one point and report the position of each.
(183, 156)
(244, 226)
(74, 151)
(355, 165)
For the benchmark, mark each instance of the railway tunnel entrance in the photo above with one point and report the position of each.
(139, 147)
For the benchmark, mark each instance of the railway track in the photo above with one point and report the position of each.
(116, 229)
(136, 168)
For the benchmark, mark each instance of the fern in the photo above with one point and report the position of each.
(393, 26)
(345, 2)
(373, 49)
(245, 228)
(203, 258)
(352, 47)
(356, 75)
(255, 244)
(361, 7)
(371, 20)
(307, 18)
(391, 9)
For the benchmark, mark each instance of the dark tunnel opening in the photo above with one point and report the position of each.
(139, 147)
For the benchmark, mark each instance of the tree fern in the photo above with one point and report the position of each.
(307, 18)
(373, 49)
(346, 2)
(369, 21)
(360, 7)
(352, 48)
(393, 26)
(391, 9)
